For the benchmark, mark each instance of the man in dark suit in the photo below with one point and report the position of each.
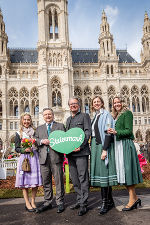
(78, 159)
(51, 162)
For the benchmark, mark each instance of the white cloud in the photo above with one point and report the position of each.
(112, 14)
(134, 48)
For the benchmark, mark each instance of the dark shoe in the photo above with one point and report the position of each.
(134, 206)
(60, 208)
(104, 208)
(82, 211)
(29, 210)
(43, 208)
(111, 204)
(75, 206)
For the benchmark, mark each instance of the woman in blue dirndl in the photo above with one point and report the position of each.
(103, 170)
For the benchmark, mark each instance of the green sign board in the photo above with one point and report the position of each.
(66, 142)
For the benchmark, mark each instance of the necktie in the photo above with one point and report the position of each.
(49, 129)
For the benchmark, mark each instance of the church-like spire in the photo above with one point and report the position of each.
(145, 54)
(107, 47)
(3, 36)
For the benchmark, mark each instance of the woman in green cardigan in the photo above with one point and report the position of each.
(127, 163)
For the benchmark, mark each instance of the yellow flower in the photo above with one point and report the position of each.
(26, 140)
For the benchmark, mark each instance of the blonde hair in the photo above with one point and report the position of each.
(101, 99)
(124, 108)
(21, 122)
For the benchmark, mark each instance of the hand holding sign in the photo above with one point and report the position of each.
(66, 142)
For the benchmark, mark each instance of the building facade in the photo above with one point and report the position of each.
(32, 79)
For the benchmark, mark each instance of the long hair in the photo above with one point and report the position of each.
(124, 108)
(101, 99)
(21, 122)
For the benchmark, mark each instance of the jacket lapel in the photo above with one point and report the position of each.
(68, 123)
(54, 126)
(45, 134)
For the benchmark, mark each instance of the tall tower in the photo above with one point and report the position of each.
(145, 54)
(3, 75)
(3, 38)
(55, 72)
(107, 54)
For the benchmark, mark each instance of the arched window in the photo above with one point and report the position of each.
(87, 101)
(36, 110)
(112, 69)
(1, 104)
(16, 112)
(87, 91)
(107, 46)
(56, 25)
(1, 144)
(35, 101)
(107, 69)
(135, 99)
(27, 108)
(24, 100)
(78, 94)
(77, 91)
(126, 95)
(97, 91)
(0, 70)
(50, 25)
(56, 93)
(53, 24)
(1, 112)
(111, 93)
(110, 103)
(145, 98)
(87, 105)
(13, 102)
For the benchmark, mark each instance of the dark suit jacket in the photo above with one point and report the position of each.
(83, 121)
(41, 133)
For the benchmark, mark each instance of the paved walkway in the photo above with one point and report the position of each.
(12, 212)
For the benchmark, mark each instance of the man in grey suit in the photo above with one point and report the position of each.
(51, 162)
(78, 159)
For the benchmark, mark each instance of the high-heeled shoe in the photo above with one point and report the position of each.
(29, 210)
(134, 206)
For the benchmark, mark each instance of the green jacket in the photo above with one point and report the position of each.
(124, 126)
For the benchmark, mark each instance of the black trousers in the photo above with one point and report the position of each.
(78, 167)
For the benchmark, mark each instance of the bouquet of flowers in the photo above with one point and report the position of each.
(28, 143)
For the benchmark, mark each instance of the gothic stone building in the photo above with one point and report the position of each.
(32, 79)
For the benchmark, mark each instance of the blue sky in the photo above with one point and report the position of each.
(125, 17)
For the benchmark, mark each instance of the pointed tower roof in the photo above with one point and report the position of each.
(1, 12)
(146, 18)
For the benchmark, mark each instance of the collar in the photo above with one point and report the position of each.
(75, 114)
(51, 124)
(101, 111)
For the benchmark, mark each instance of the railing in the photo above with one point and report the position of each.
(9, 163)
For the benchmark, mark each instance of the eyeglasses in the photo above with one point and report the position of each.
(73, 104)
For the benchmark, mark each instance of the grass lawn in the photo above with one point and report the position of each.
(17, 193)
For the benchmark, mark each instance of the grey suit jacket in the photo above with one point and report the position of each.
(83, 121)
(41, 133)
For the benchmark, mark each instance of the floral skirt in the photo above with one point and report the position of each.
(32, 178)
(102, 175)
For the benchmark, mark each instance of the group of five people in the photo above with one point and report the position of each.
(113, 158)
